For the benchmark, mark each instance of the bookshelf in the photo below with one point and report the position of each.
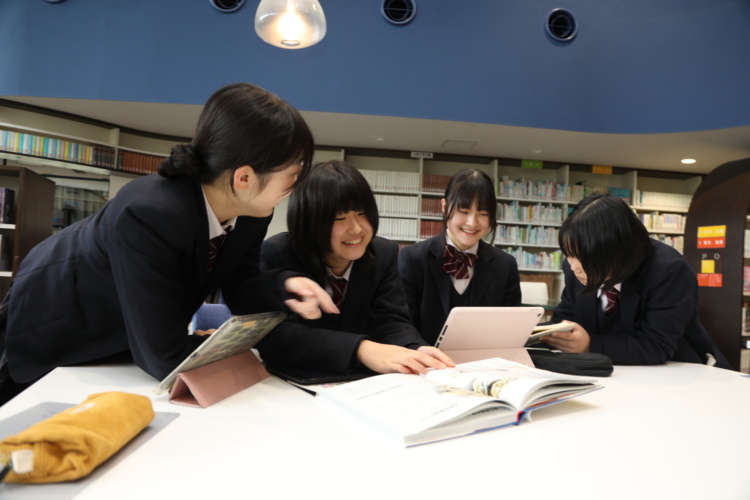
(30, 219)
(716, 250)
(533, 197)
(37, 140)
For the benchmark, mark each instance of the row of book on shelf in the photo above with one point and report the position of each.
(7, 205)
(663, 222)
(526, 235)
(410, 206)
(72, 204)
(6, 252)
(505, 234)
(75, 152)
(523, 189)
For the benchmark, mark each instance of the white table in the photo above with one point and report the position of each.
(679, 431)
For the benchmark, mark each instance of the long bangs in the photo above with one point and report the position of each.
(353, 193)
(607, 238)
(330, 188)
(467, 187)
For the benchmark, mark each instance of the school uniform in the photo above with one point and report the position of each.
(431, 295)
(373, 309)
(129, 278)
(656, 319)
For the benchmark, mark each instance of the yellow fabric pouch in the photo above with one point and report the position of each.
(74, 442)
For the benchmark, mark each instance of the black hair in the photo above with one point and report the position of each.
(242, 124)
(606, 236)
(331, 187)
(467, 187)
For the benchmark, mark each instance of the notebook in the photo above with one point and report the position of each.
(475, 333)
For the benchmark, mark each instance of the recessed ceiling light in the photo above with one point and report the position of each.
(377, 138)
(536, 151)
(688, 161)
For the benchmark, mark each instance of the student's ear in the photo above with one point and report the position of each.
(442, 205)
(244, 178)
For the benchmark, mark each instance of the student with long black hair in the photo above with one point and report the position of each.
(457, 267)
(128, 278)
(630, 297)
(332, 221)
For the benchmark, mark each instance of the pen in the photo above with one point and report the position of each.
(6, 467)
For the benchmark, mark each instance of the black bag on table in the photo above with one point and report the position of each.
(590, 364)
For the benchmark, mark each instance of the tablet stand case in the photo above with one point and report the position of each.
(216, 381)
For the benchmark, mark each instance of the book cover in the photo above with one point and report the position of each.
(236, 335)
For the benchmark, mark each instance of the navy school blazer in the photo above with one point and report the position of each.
(658, 314)
(374, 309)
(495, 283)
(129, 278)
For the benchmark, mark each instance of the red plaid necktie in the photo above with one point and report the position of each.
(613, 297)
(457, 263)
(214, 244)
(338, 285)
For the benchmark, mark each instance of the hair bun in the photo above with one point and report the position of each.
(182, 160)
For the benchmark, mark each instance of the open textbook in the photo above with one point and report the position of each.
(237, 334)
(453, 402)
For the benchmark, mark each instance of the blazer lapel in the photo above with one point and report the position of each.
(440, 277)
(358, 289)
(587, 305)
(628, 304)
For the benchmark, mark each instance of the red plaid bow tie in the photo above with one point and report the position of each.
(457, 263)
(613, 297)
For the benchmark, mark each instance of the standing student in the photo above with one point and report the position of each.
(630, 297)
(129, 277)
(332, 222)
(457, 267)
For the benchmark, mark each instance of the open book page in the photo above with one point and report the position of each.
(404, 405)
(518, 385)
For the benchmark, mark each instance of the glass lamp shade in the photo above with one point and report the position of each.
(290, 24)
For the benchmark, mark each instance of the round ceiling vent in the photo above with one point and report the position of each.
(561, 25)
(227, 5)
(398, 11)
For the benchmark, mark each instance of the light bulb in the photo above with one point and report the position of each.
(290, 24)
(290, 28)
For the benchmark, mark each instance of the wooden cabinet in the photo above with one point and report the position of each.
(31, 217)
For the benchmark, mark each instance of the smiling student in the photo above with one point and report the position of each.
(127, 279)
(458, 268)
(332, 221)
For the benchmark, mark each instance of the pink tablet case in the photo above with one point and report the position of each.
(213, 382)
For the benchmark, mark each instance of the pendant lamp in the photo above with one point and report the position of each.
(290, 24)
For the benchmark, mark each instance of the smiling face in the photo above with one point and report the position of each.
(467, 226)
(350, 234)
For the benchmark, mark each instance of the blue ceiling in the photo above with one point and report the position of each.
(636, 66)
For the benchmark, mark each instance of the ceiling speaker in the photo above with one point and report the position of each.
(227, 5)
(398, 11)
(561, 25)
